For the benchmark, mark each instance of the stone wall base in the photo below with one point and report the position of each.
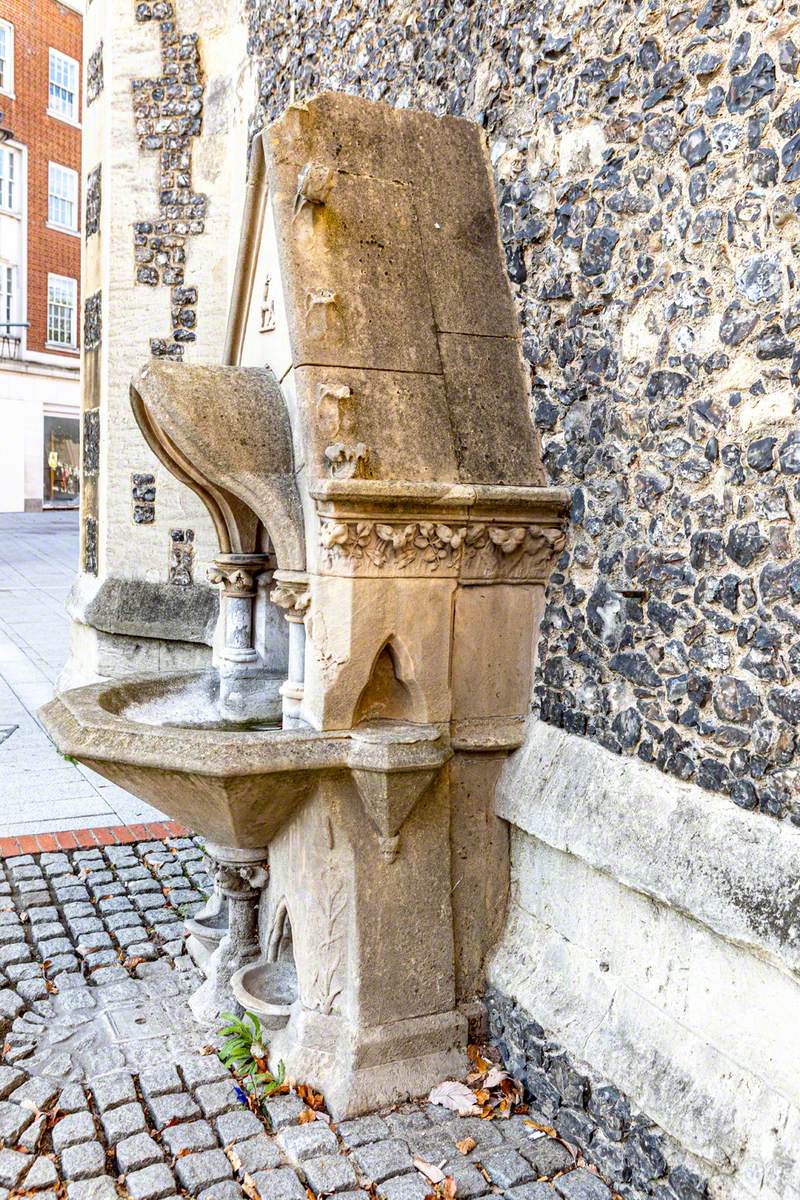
(652, 934)
(588, 1112)
(95, 655)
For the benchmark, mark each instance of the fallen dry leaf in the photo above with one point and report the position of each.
(449, 1188)
(306, 1116)
(455, 1096)
(466, 1144)
(206, 1050)
(313, 1099)
(432, 1173)
(495, 1077)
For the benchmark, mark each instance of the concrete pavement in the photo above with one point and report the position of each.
(40, 792)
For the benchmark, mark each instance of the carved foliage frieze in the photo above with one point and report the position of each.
(475, 550)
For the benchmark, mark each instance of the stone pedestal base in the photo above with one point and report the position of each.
(351, 1067)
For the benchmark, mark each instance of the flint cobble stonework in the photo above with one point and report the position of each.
(589, 1112)
(646, 159)
(109, 1088)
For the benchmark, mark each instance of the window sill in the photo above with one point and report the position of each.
(61, 348)
(8, 95)
(57, 116)
(63, 229)
(10, 212)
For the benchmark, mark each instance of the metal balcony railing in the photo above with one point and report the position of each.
(10, 341)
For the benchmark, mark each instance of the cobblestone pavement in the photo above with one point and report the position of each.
(108, 1088)
(40, 792)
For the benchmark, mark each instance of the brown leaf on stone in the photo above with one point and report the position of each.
(249, 1188)
(431, 1172)
(51, 987)
(182, 1153)
(306, 1116)
(449, 1188)
(466, 1144)
(206, 1050)
(130, 963)
(310, 1097)
(233, 1158)
(548, 1129)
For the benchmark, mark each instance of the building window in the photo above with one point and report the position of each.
(9, 179)
(61, 316)
(8, 299)
(7, 58)
(63, 97)
(62, 197)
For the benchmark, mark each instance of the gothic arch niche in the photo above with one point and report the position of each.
(280, 947)
(391, 692)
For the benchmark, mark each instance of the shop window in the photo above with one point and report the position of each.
(61, 302)
(63, 88)
(7, 58)
(62, 197)
(61, 461)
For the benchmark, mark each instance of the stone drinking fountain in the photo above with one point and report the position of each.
(373, 475)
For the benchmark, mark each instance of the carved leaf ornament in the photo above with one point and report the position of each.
(494, 549)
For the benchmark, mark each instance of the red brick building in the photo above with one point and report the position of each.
(40, 220)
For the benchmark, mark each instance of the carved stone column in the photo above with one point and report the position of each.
(291, 594)
(240, 662)
(240, 876)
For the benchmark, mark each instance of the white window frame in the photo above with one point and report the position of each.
(57, 198)
(71, 285)
(57, 57)
(7, 86)
(9, 299)
(10, 180)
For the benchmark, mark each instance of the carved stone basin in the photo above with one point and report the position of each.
(161, 738)
(268, 989)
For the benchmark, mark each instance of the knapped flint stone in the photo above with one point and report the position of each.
(789, 455)
(598, 249)
(746, 542)
(773, 343)
(610, 1108)
(761, 453)
(764, 166)
(637, 668)
(785, 703)
(713, 13)
(644, 1156)
(686, 1184)
(760, 278)
(747, 89)
(695, 147)
(740, 51)
(664, 384)
(660, 134)
(735, 700)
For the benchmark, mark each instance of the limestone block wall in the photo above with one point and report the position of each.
(162, 205)
(645, 160)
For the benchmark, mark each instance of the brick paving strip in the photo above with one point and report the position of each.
(110, 1089)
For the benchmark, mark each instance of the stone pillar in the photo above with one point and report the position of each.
(240, 876)
(291, 594)
(160, 210)
(240, 668)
